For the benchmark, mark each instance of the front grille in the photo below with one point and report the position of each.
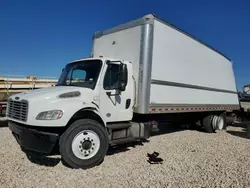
(17, 110)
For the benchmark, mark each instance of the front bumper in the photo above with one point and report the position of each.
(32, 139)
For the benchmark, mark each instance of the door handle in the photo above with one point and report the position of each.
(128, 102)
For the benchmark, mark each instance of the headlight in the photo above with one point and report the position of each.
(50, 115)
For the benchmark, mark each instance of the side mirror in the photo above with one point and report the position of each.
(123, 77)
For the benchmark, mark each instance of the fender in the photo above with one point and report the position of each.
(87, 112)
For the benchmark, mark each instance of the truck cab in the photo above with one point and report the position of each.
(90, 94)
(101, 84)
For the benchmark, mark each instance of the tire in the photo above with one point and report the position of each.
(207, 124)
(76, 157)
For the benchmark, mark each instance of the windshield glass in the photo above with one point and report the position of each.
(81, 74)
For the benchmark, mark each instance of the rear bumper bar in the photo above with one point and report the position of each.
(32, 139)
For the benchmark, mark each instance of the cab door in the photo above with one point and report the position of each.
(117, 105)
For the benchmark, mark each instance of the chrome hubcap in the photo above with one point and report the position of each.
(86, 144)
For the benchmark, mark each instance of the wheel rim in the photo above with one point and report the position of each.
(214, 122)
(220, 123)
(217, 123)
(85, 144)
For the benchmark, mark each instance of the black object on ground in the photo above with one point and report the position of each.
(154, 159)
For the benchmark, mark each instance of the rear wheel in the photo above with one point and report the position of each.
(211, 123)
(84, 144)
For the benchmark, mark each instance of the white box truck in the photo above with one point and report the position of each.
(139, 74)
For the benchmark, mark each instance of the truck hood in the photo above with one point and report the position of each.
(50, 93)
(46, 99)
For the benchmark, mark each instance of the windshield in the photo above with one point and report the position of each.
(81, 74)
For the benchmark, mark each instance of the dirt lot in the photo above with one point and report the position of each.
(192, 158)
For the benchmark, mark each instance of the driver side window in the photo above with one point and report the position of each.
(111, 79)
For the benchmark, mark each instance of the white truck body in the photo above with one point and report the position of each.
(141, 73)
(174, 72)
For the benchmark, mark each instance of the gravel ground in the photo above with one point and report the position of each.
(191, 159)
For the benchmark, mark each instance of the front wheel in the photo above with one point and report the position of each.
(84, 144)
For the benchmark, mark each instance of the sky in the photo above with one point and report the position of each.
(40, 37)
